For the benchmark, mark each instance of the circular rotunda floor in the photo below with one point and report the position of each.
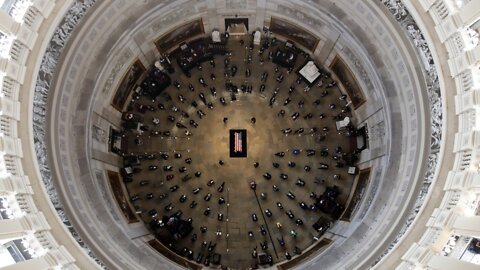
(189, 195)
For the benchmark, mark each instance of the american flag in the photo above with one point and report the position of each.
(238, 142)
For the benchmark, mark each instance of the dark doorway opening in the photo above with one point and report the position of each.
(233, 21)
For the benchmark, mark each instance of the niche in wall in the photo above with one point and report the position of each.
(359, 190)
(347, 79)
(121, 196)
(128, 82)
(180, 34)
(116, 143)
(293, 32)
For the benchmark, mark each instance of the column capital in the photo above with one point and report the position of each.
(37, 222)
(427, 4)
(441, 219)
(467, 225)
(470, 13)
(467, 181)
(10, 108)
(467, 101)
(417, 255)
(16, 184)
(448, 27)
(12, 69)
(447, 263)
(44, 6)
(11, 146)
(7, 23)
(464, 61)
(469, 140)
(18, 227)
(59, 256)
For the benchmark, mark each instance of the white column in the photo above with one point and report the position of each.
(11, 146)
(44, 6)
(448, 27)
(9, 26)
(469, 226)
(35, 263)
(13, 70)
(10, 108)
(16, 184)
(424, 258)
(466, 140)
(7, 23)
(467, 101)
(427, 4)
(11, 229)
(450, 221)
(464, 61)
(467, 181)
(260, 15)
(53, 258)
(470, 13)
(447, 263)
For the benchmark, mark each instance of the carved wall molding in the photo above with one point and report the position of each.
(45, 75)
(406, 21)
